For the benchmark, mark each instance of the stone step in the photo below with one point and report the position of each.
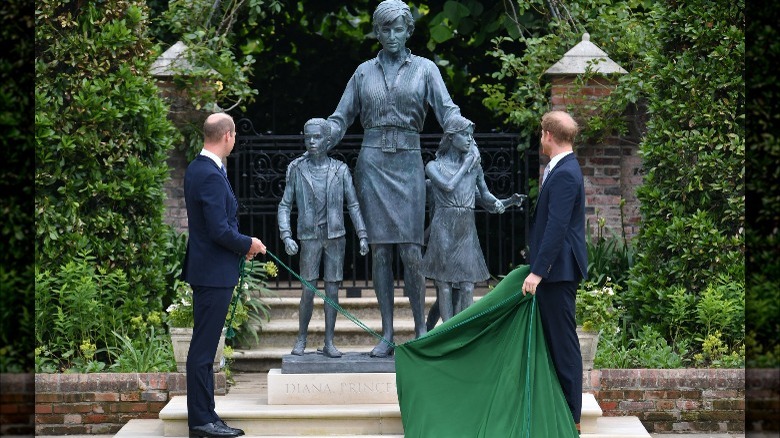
(362, 308)
(258, 419)
(284, 333)
(362, 289)
(263, 359)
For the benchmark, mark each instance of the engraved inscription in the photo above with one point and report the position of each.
(343, 388)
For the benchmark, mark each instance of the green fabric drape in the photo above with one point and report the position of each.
(484, 373)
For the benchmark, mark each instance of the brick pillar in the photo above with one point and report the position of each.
(611, 166)
(185, 117)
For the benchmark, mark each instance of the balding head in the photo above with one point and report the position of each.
(561, 125)
(216, 125)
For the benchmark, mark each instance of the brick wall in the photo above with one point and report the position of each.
(679, 400)
(17, 404)
(101, 403)
(175, 207)
(762, 388)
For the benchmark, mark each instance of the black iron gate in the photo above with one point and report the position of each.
(257, 170)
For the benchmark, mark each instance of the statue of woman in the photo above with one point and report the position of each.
(392, 94)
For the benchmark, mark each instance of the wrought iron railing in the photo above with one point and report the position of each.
(257, 170)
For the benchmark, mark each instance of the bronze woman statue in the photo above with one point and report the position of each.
(392, 94)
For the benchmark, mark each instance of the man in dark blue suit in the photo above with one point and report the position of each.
(211, 267)
(558, 255)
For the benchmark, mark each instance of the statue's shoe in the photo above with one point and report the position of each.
(300, 345)
(331, 351)
(382, 350)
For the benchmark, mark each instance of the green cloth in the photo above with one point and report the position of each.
(484, 373)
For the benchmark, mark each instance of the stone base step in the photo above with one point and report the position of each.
(608, 427)
(253, 414)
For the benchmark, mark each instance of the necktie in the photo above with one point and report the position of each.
(546, 172)
(222, 168)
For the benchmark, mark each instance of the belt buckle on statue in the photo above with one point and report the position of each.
(388, 144)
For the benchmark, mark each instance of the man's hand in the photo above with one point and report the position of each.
(290, 247)
(530, 283)
(257, 247)
(363, 246)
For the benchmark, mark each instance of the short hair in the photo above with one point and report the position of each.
(387, 11)
(561, 125)
(322, 123)
(216, 125)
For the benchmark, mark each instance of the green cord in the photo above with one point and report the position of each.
(330, 302)
(231, 333)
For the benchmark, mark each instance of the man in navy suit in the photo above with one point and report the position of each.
(211, 267)
(558, 255)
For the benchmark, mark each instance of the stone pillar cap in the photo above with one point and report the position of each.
(583, 57)
(172, 62)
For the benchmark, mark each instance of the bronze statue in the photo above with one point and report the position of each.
(392, 94)
(453, 258)
(319, 186)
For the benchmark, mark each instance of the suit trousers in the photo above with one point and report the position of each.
(210, 307)
(556, 309)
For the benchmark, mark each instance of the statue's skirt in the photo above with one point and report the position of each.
(391, 191)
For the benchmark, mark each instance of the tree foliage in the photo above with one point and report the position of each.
(305, 52)
(102, 139)
(685, 63)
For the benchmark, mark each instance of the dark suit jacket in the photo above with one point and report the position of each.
(299, 189)
(215, 246)
(557, 241)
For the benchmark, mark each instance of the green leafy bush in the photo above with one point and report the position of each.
(692, 199)
(102, 140)
(150, 354)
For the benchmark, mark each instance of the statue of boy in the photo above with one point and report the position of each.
(319, 186)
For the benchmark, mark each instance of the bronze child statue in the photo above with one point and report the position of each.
(319, 186)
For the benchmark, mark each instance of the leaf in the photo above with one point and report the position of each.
(441, 33)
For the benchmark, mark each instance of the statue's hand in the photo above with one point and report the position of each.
(290, 246)
(477, 157)
(363, 246)
(469, 160)
(500, 209)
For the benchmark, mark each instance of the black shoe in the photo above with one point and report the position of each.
(211, 430)
(238, 431)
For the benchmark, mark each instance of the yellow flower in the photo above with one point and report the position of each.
(219, 85)
(271, 269)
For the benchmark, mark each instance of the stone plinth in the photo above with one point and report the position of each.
(331, 388)
(350, 362)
